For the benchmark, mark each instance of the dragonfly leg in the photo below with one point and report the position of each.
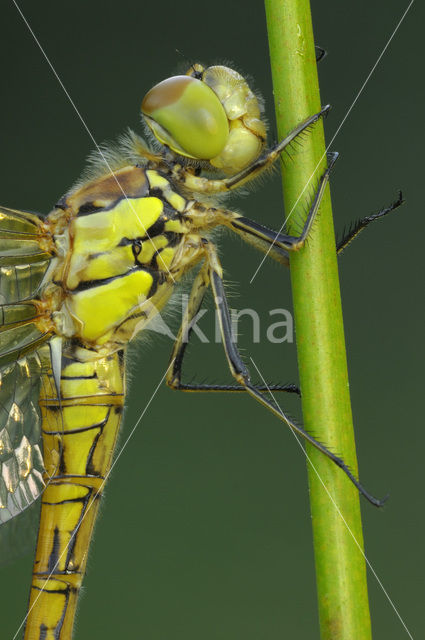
(199, 287)
(274, 243)
(241, 374)
(359, 225)
(278, 245)
(173, 379)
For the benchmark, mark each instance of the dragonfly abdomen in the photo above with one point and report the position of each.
(86, 421)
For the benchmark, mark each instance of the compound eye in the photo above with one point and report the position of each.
(186, 115)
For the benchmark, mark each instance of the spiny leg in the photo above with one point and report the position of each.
(241, 373)
(199, 184)
(277, 245)
(358, 226)
(173, 378)
(273, 242)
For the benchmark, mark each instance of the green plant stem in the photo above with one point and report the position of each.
(340, 565)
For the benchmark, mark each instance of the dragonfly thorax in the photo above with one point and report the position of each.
(123, 255)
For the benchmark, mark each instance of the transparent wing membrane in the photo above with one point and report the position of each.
(18, 333)
(21, 459)
(20, 237)
(24, 362)
(19, 282)
(22, 260)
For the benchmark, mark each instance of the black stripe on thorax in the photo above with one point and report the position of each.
(90, 377)
(173, 238)
(90, 284)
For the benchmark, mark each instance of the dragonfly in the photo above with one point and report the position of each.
(79, 284)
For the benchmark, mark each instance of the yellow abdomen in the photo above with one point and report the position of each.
(85, 436)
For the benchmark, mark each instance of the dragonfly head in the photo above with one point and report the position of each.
(210, 114)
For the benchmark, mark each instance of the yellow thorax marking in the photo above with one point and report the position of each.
(117, 299)
(130, 218)
(156, 181)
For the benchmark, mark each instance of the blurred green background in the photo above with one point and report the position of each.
(205, 530)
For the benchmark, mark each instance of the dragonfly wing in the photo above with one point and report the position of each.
(22, 238)
(24, 361)
(21, 457)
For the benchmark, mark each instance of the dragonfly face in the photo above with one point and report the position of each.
(210, 115)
